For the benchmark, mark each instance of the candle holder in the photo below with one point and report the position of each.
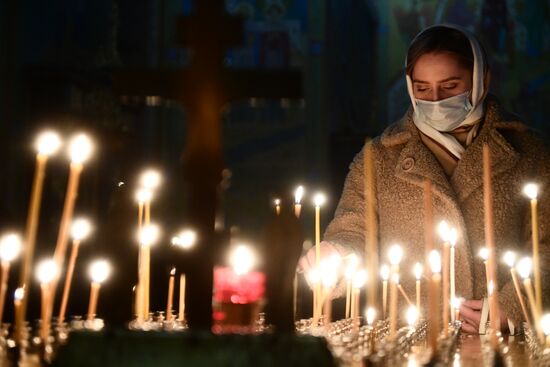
(538, 353)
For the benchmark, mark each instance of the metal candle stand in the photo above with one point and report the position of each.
(539, 354)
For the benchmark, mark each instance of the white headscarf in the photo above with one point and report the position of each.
(477, 96)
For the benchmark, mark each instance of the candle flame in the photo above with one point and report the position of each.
(371, 314)
(395, 278)
(277, 202)
(434, 258)
(412, 315)
(48, 143)
(19, 294)
(242, 259)
(10, 247)
(453, 237)
(456, 302)
(443, 230)
(319, 199)
(144, 195)
(509, 258)
(149, 235)
(484, 253)
(173, 272)
(385, 272)
(80, 148)
(395, 254)
(46, 271)
(524, 267)
(80, 229)
(150, 179)
(313, 276)
(545, 324)
(531, 190)
(298, 194)
(359, 279)
(418, 271)
(100, 271)
(186, 239)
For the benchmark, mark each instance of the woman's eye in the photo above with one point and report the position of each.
(449, 86)
(421, 89)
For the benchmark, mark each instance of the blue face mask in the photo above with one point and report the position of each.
(444, 115)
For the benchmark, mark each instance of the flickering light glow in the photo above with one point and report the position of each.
(329, 278)
(242, 259)
(418, 271)
(444, 231)
(80, 229)
(509, 258)
(173, 272)
(371, 314)
(19, 294)
(319, 199)
(412, 316)
(100, 271)
(46, 271)
(456, 302)
(484, 253)
(359, 279)
(298, 194)
(531, 190)
(395, 278)
(524, 267)
(10, 247)
(395, 254)
(434, 259)
(150, 179)
(453, 237)
(277, 202)
(385, 272)
(186, 239)
(144, 195)
(80, 148)
(314, 277)
(545, 324)
(149, 235)
(48, 143)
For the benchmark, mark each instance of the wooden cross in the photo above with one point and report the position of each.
(204, 89)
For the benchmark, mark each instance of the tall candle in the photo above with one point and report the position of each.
(18, 296)
(47, 144)
(403, 293)
(181, 313)
(80, 230)
(10, 247)
(524, 268)
(314, 279)
(490, 242)
(509, 259)
(358, 282)
(298, 195)
(170, 297)
(545, 326)
(318, 200)
(349, 277)
(418, 275)
(147, 237)
(46, 272)
(371, 228)
(433, 326)
(531, 190)
(446, 303)
(395, 254)
(278, 206)
(385, 275)
(453, 236)
(99, 271)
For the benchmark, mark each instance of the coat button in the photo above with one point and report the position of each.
(407, 164)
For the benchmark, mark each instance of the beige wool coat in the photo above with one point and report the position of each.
(402, 163)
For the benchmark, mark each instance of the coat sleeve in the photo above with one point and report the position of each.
(540, 156)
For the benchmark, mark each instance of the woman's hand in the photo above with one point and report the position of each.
(470, 314)
(307, 262)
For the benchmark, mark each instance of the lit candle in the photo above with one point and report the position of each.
(47, 144)
(314, 279)
(395, 254)
(349, 273)
(385, 275)
(531, 190)
(524, 267)
(147, 237)
(329, 279)
(277, 206)
(18, 296)
(453, 236)
(99, 272)
(545, 326)
(46, 272)
(444, 232)
(181, 316)
(371, 252)
(150, 179)
(358, 282)
(143, 196)
(371, 314)
(10, 247)
(242, 259)
(509, 259)
(298, 195)
(170, 298)
(395, 279)
(484, 255)
(186, 239)
(412, 316)
(490, 242)
(418, 275)
(318, 200)
(79, 231)
(456, 302)
(434, 327)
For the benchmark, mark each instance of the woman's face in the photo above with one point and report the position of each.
(437, 76)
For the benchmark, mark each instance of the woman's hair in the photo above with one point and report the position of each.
(443, 39)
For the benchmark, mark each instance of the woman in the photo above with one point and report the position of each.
(441, 139)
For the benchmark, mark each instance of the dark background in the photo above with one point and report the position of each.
(58, 59)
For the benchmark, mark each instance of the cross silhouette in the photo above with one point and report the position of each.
(204, 88)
